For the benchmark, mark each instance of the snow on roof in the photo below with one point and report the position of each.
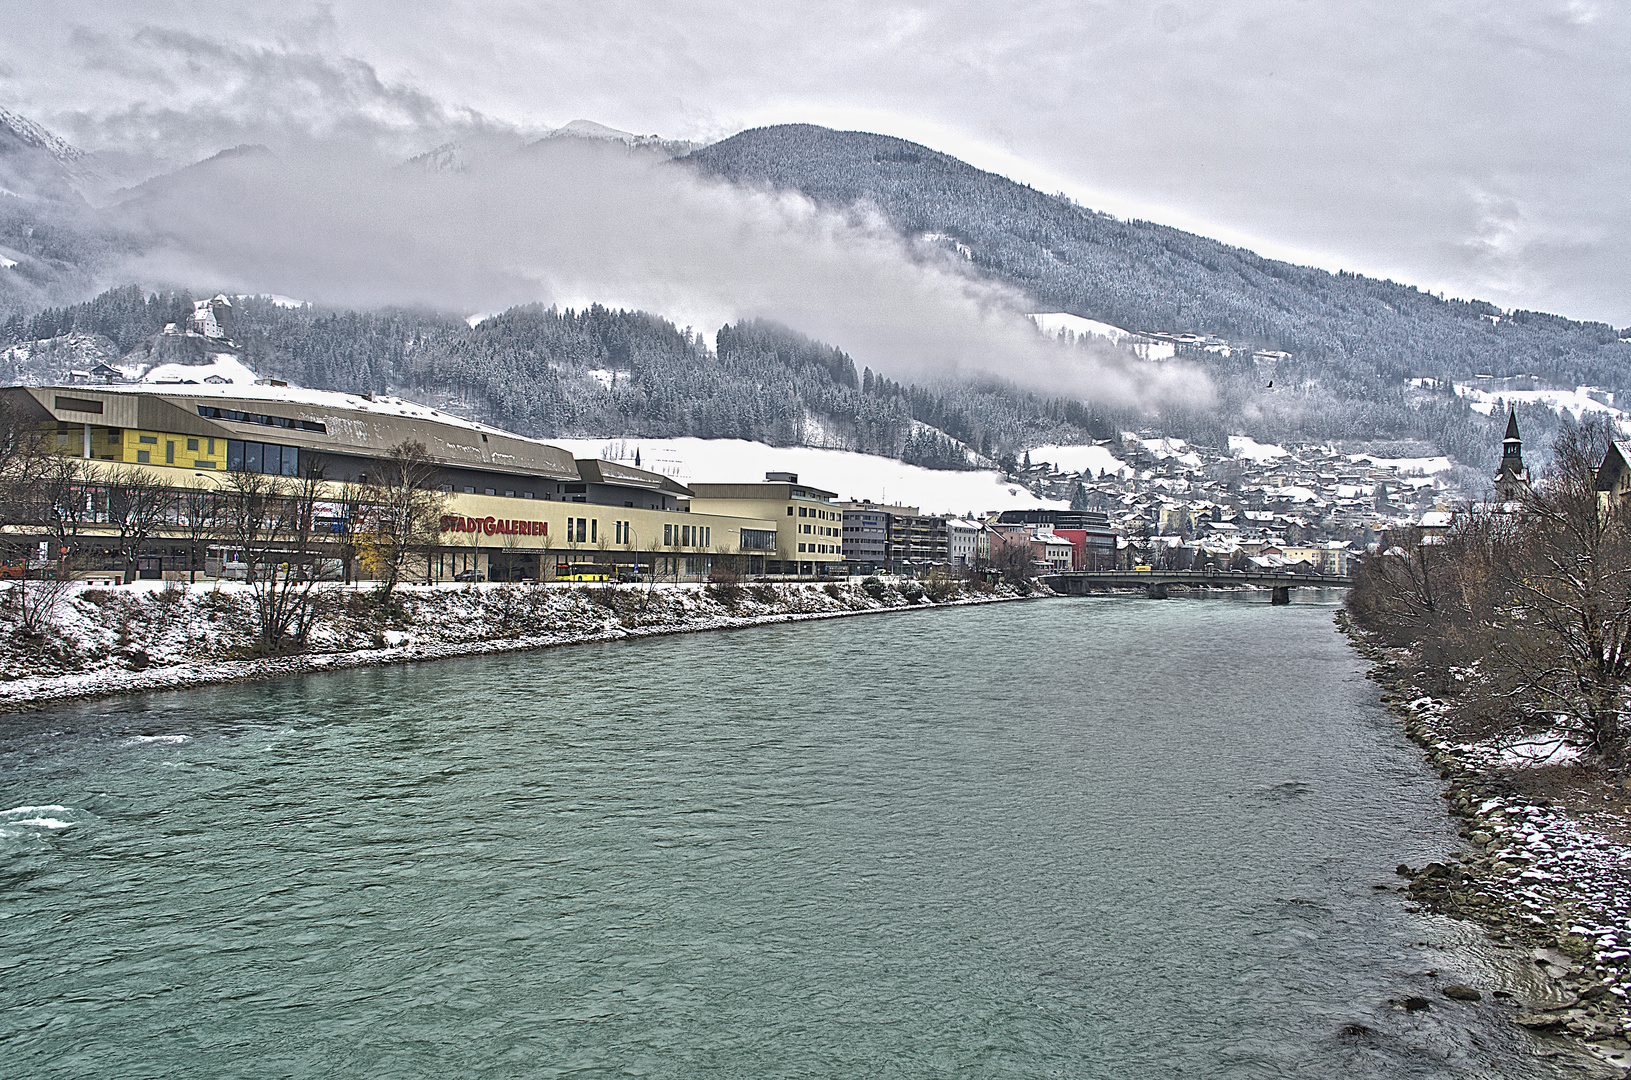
(854, 476)
(1436, 519)
(300, 395)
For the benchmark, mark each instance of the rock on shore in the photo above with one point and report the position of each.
(1553, 890)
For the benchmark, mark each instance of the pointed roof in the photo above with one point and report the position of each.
(1511, 426)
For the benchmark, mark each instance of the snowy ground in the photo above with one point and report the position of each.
(1575, 402)
(150, 636)
(851, 475)
(1082, 458)
(1427, 465)
(1243, 447)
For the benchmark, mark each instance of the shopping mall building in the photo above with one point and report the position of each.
(513, 508)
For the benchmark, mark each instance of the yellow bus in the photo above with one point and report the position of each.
(583, 571)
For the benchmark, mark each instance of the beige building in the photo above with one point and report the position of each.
(809, 521)
(513, 508)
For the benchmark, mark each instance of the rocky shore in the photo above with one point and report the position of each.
(1546, 872)
(139, 638)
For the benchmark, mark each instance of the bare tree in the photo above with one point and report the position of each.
(404, 512)
(62, 504)
(1574, 586)
(273, 521)
(136, 504)
(196, 508)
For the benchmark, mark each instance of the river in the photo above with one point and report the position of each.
(1077, 838)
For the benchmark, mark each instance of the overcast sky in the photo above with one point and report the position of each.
(1476, 148)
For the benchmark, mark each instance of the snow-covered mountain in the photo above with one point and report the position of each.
(589, 129)
(37, 164)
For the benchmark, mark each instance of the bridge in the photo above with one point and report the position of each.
(1155, 583)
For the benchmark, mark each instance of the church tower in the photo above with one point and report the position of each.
(1512, 481)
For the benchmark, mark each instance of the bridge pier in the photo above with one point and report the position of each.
(1281, 595)
(1156, 590)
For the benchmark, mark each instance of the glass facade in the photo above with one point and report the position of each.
(270, 458)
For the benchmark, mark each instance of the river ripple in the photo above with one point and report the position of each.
(1086, 838)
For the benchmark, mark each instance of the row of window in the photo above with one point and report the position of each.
(270, 458)
(818, 530)
(210, 412)
(819, 549)
(810, 511)
(687, 535)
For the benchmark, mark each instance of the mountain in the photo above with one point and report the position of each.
(1346, 333)
(588, 129)
(35, 164)
(52, 242)
(1295, 354)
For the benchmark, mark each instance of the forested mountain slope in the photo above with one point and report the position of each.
(1342, 328)
(596, 373)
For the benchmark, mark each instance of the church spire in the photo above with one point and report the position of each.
(1513, 478)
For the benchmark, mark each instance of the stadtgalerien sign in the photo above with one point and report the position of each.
(493, 526)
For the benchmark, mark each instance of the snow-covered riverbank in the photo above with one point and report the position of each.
(1546, 870)
(152, 637)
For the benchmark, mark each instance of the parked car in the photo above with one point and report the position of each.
(470, 575)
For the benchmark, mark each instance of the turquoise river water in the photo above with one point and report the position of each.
(1072, 838)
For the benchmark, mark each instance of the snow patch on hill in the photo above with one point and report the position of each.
(1087, 457)
(1428, 465)
(224, 369)
(1580, 400)
(1242, 446)
(1054, 323)
(851, 475)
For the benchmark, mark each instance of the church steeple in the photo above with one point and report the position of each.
(1513, 478)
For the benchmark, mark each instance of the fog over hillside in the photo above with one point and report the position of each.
(807, 241)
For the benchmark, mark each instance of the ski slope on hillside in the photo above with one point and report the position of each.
(851, 475)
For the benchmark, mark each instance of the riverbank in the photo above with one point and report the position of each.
(1546, 872)
(139, 638)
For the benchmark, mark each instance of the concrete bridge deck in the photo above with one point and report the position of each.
(1155, 583)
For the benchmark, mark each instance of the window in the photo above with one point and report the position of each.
(74, 404)
(169, 453)
(594, 528)
(212, 448)
(203, 463)
(210, 412)
(488, 491)
(467, 491)
(803, 511)
(758, 540)
(668, 536)
(150, 439)
(526, 494)
(192, 444)
(789, 511)
(801, 549)
(509, 494)
(143, 457)
(291, 461)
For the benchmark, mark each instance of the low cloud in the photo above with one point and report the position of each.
(571, 221)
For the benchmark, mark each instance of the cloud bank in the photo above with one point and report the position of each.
(572, 221)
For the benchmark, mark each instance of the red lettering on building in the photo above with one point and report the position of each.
(493, 526)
